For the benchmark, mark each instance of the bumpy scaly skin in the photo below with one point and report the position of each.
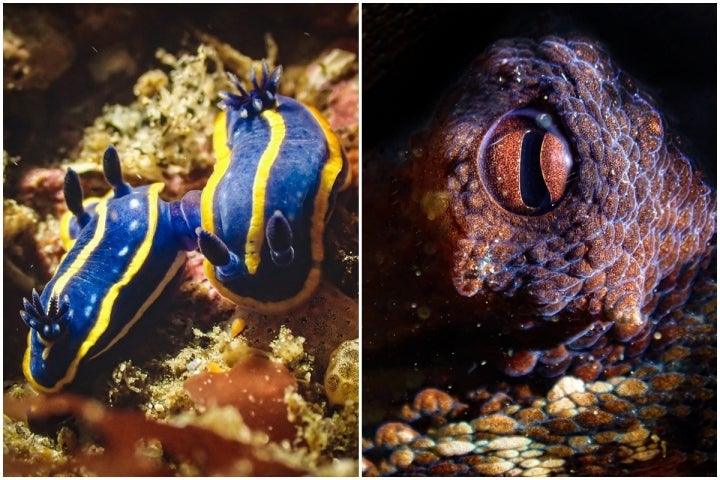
(602, 270)
(658, 421)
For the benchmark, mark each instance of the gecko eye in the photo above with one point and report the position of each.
(525, 162)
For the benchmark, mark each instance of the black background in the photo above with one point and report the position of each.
(413, 53)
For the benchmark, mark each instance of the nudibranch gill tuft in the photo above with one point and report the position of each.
(563, 201)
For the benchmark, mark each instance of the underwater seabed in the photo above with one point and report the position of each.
(202, 388)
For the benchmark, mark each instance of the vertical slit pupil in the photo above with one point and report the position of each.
(533, 190)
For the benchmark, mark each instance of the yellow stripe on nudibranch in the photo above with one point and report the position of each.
(332, 168)
(26, 364)
(220, 142)
(157, 291)
(139, 259)
(65, 239)
(84, 253)
(256, 230)
(335, 156)
(222, 162)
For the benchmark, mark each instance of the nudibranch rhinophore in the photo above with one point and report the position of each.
(556, 198)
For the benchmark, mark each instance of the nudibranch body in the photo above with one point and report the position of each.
(264, 209)
(562, 199)
(126, 249)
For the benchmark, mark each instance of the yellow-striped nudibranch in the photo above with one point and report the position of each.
(126, 249)
(264, 209)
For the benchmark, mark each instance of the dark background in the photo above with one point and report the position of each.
(40, 126)
(413, 53)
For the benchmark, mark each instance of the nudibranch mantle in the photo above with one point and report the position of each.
(265, 206)
(566, 203)
(125, 251)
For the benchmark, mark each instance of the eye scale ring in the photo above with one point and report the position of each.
(525, 162)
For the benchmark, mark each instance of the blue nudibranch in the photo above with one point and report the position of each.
(259, 222)
(264, 209)
(126, 249)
